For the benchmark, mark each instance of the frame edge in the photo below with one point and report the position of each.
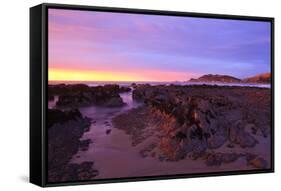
(35, 131)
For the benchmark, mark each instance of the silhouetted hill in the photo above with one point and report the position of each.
(216, 78)
(261, 78)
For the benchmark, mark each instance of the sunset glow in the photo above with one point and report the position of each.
(103, 46)
(144, 76)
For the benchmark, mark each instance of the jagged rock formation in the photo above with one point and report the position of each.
(194, 121)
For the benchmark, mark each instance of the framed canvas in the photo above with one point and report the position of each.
(128, 94)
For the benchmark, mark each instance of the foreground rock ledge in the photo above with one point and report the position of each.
(216, 124)
(64, 131)
(80, 95)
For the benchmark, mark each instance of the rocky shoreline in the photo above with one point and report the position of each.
(206, 125)
(65, 129)
(66, 125)
(216, 124)
(80, 95)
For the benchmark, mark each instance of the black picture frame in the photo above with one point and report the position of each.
(39, 84)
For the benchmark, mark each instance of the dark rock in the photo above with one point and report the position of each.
(250, 156)
(75, 172)
(51, 97)
(229, 157)
(79, 95)
(191, 120)
(246, 140)
(124, 89)
(114, 102)
(58, 116)
(65, 129)
(238, 135)
(216, 141)
(108, 131)
(147, 150)
(216, 159)
(84, 144)
(230, 145)
(254, 131)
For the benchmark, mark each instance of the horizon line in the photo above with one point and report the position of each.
(112, 81)
(152, 80)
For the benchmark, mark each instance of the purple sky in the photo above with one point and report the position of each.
(152, 46)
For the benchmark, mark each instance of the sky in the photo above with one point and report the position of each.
(103, 46)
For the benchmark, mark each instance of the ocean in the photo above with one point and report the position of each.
(101, 83)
